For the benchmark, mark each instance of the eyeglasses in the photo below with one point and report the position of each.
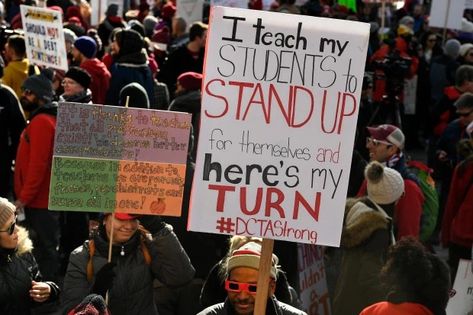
(237, 287)
(375, 142)
(464, 114)
(26, 91)
(11, 229)
(68, 82)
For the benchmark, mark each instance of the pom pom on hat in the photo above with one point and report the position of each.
(248, 255)
(86, 45)
(79, 75)
(385, 185)
(7, 209)
(190, 81)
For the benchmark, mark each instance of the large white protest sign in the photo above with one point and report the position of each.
(468, 4)
(279, 109)
(312, 280)
(462, 302)
(190, 10)
(44, 38)
(230, 3)
(439, 10)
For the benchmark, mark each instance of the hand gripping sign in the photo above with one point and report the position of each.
(280, 102)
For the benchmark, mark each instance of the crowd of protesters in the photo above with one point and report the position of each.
(149, 57)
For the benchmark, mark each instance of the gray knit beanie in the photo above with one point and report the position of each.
(385, 185)
(452, 48)
(41, 85)
(7, 209)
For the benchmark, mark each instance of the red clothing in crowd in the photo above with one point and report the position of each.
(34, 160)
(408, 211)
(457, 224)
(100, 79)
(396, 309)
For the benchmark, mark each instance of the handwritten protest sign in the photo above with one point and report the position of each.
(190, 10)
(119, 159)
(279, 110)
(313, 282)
(44, 38)
(462, 301)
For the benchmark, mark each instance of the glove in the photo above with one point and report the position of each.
(104, 279)
(152, 223)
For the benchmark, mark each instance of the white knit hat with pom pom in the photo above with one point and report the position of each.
(385, 185)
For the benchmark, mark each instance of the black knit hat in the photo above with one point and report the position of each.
(40, 85)
(136, 94)
(79, 75)
(130, 41)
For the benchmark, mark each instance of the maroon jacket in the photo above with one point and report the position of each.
(100, 79)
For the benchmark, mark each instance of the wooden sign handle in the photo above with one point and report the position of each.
(265, 264)
(110, 240)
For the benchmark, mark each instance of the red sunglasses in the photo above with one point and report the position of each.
(237, 287)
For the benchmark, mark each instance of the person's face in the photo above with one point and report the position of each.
(379, 150)
(243, 302)
(76, 55)
(469, 56)
(28, 100)
(114, 47)
(71, 87)
(9, 234)
(418, 10)
(465, 115)
(203, 39)
(431, 41)
(123, 230)
(8, 52)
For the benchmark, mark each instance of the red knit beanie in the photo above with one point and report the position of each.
(190, 81)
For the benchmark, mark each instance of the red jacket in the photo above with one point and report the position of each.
(34, 160)
(406, 308)
(457, 224)
(408, 211)
(100, 79)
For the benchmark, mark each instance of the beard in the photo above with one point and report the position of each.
(28, 105)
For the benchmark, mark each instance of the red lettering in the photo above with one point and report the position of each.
(207, 90)
(244, 203)
(322, 116)
(343, 109)
(296, 88)
(314, 212)
(274, 204)
(241, 86)
(221, 195)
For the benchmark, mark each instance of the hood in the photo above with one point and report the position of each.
(50, 108)
(361, 221)
(94, 67)
(25, 245)
(189, 102)
(19, 65)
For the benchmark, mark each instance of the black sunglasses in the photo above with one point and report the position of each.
(11, 229)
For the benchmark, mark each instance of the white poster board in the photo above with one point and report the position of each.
(462, 302)
(280, 102)
(438, 13)
(313, 281)
(230, 3)
(44, 38)
(468, 4)
(190, 10)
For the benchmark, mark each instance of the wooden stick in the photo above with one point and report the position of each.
(110, 243)
(127, 100)
(265, 264)
(444, 35)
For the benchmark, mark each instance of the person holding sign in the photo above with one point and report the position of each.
(241, 277)
(366, 236)
(21, 288)
(143, 249)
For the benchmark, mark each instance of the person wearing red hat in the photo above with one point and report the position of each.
(144, 248)
(385, 145)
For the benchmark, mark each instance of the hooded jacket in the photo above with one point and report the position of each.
(274, 307)
(17, 268)
(132, 290)
(365, 239)
(14, 74)
(100, 79)
(396, 309)
(34, 158)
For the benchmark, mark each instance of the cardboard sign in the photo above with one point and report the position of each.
(279, 110)
(462, 302)
(230, 3)
(313, 281)
(190, 10)
(439, 10)
(44, 38)
(119, 159)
